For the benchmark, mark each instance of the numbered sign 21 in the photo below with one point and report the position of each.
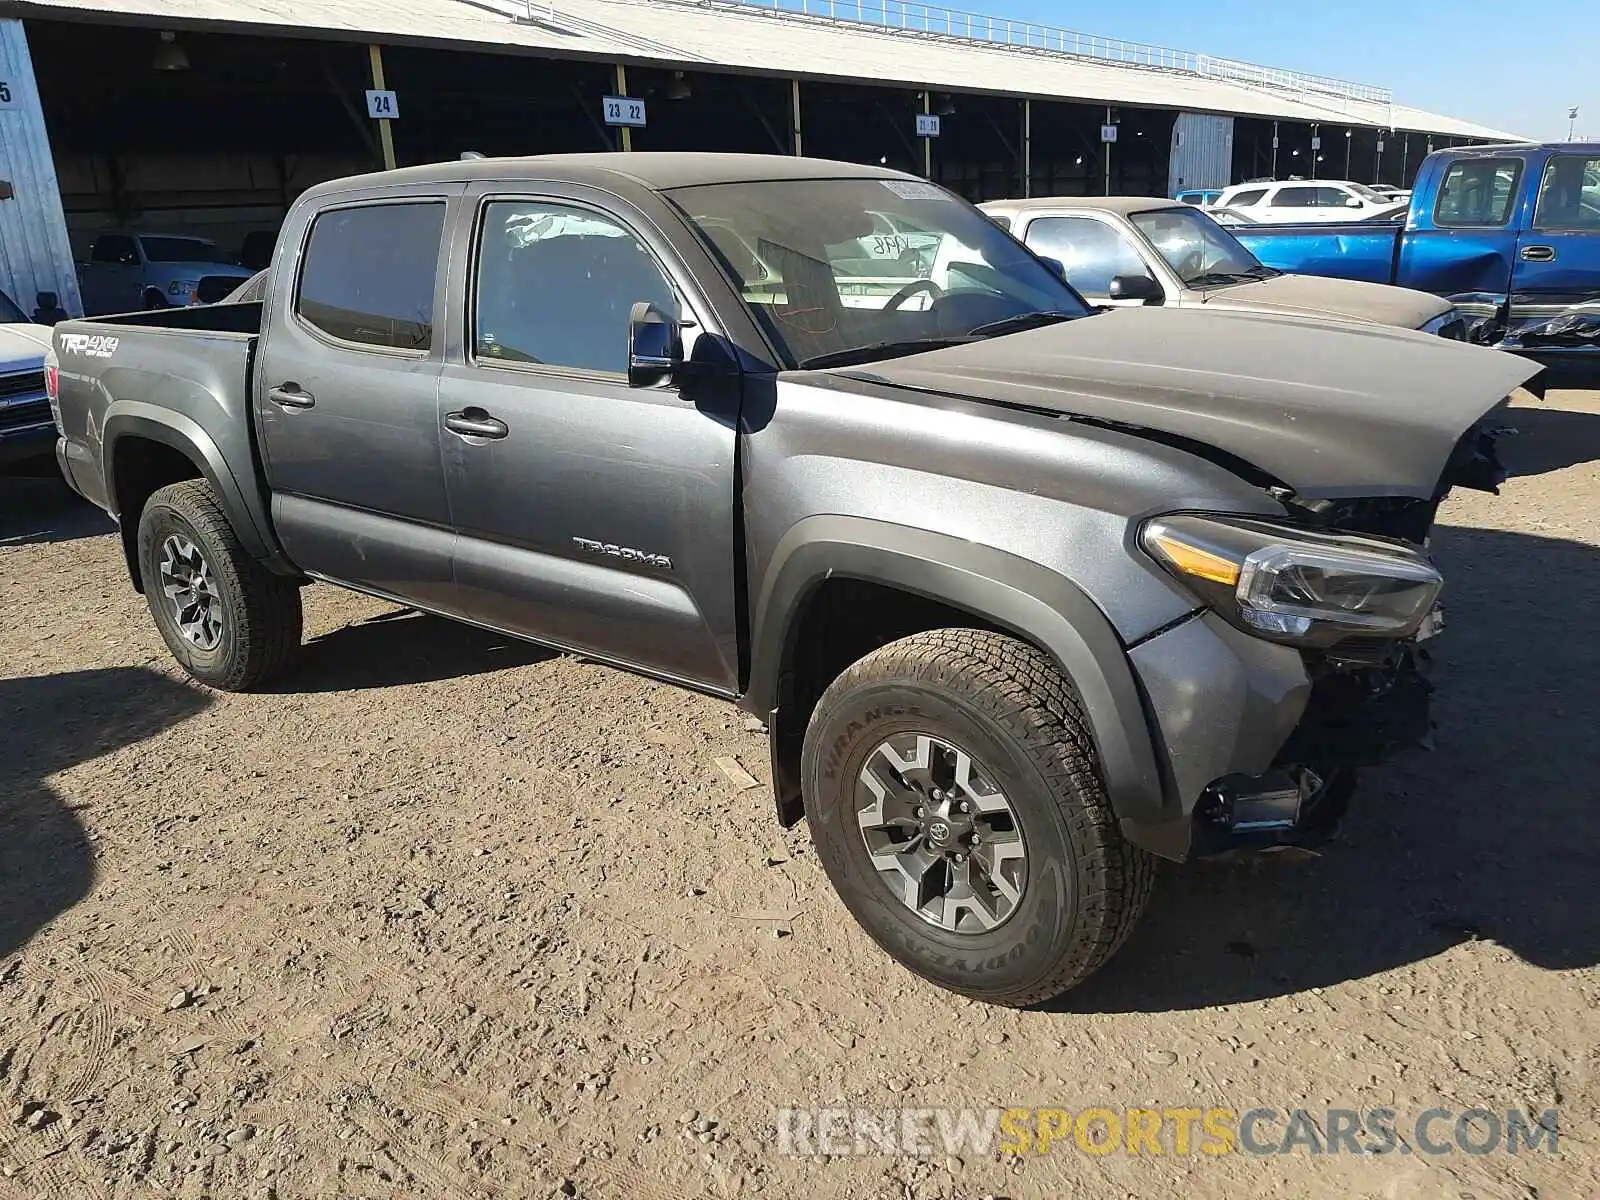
(623, 110)
(383, 106)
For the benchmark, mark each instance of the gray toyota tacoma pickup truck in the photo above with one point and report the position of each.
(1028, 596)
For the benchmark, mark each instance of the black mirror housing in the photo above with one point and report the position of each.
(655, 345)
(1136, 287)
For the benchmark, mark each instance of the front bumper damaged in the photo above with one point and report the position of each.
(1263, 742)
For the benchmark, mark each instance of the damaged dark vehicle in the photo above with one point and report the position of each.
(1027, 595)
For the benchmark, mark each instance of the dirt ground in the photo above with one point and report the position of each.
(449, 916)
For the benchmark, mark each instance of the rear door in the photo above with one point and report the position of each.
(1464, 248)
(346, 390)
(590, 515)
(1556, 293)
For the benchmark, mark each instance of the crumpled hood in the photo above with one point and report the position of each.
(1332, 411)
(1312, 295)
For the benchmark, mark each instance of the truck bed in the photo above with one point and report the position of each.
(1361, 250)
(143, 367)
(204, 318)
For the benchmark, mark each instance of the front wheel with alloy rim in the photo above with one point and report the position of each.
(956, 803)
(228, 620)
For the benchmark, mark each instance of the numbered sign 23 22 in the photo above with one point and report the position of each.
(383, 106)
(623, 110)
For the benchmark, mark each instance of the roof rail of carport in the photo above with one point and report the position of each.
(744, 38)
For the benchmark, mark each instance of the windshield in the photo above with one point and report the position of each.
(1196, 247)
(1365, 192)
(842, 270)
(179, 250)
(10, 314)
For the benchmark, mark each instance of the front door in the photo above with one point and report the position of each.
(346, 392)
(589, 515)
(1555, 295)
(1094, 252)
(1464, 248)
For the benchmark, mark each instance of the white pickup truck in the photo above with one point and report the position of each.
(131, 271)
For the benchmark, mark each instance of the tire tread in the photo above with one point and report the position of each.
(268, 618)
(1022, 689)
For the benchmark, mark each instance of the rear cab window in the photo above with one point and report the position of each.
(1569, 194)
(1478, 192)
(369, 275)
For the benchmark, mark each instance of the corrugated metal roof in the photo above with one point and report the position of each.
(779, 42)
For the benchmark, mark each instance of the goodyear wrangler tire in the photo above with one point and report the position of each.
(956, 803)
(230, 622)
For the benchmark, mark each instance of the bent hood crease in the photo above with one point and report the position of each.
(1334, 411)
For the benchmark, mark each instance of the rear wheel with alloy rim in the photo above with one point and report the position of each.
(956, 802)
(228, 620)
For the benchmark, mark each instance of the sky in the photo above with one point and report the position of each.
(1511, 67)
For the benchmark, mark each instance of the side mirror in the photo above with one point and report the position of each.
(1056, 265)
(655, 345)
(1137, 287)
(1352, 202)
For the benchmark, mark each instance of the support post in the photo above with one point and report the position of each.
(1108, 154)
(927, 142)
(1027, 149)
(385, 134)
(1274, 171)
(622, 90)
(794, 115)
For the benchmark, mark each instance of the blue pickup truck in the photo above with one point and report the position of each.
(1510, 234)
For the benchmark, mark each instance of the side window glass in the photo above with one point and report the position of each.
(1569, 196)
(556, 284)
(369, 274)
(1246, 199)
(1478, 191)
(1093, 252)
(114, 248)
(1332, 197)
(1295, 197)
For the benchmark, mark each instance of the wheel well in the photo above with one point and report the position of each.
(140, 467)
(842, 621)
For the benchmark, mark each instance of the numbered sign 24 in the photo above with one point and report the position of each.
(383, 106)
(623, 110)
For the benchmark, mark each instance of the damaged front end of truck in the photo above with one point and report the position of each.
(1369, 694)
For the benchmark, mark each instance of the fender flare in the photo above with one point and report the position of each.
(131, 418)
(1012, 593)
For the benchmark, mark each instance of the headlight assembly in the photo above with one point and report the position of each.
(1295, 585)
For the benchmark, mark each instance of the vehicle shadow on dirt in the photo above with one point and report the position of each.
(38, 508)
(1493, 835)
(53, 723)
(400, 647)
(1550, 439)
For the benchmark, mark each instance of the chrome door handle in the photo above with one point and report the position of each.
(1538, 254)
(290, 396)
(474, 422)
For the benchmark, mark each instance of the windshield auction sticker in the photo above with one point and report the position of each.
(910, 189)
